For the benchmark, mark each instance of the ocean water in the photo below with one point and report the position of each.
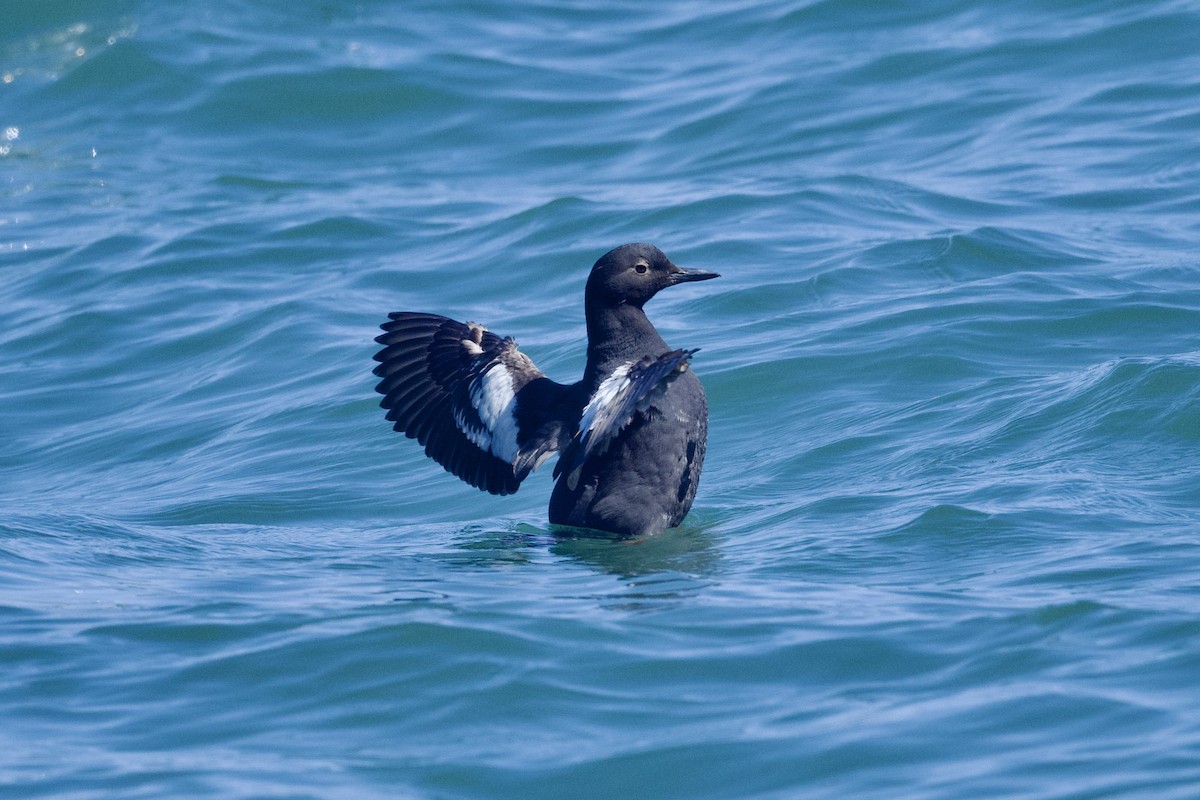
(947, 541)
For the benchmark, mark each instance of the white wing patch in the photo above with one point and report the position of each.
(494, 400)
(605, 396)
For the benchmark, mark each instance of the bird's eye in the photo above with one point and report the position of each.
(641, 269)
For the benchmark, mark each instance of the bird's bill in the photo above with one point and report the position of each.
(681, 275)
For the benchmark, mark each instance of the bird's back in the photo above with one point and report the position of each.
(646, 479)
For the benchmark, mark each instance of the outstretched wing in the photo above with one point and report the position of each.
(458, 389)
(630, 389)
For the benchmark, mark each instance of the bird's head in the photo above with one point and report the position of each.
(633, 273)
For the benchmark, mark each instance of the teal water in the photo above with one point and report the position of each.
(947, 542)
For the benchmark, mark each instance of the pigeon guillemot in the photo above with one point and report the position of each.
(630, 435)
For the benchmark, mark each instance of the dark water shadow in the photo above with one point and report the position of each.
(688, 550)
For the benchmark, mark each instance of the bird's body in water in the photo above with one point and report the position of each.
(630, 435)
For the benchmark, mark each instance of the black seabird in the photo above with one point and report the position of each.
(630, 435)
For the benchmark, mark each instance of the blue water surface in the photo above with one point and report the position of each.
(947, 542)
